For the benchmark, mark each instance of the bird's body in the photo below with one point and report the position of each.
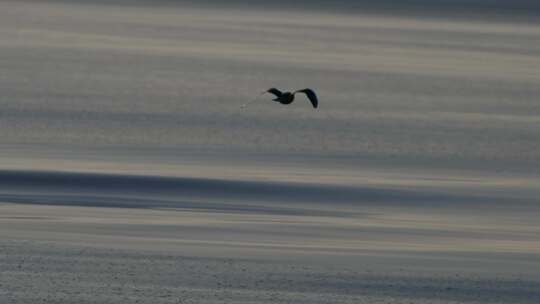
(285, 98)
(288, 97)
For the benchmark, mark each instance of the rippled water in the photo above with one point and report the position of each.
(123, 144)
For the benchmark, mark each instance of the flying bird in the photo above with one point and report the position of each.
(288, 97)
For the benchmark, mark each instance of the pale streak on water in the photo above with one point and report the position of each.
(417, 180)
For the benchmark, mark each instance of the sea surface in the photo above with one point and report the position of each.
(129, 173)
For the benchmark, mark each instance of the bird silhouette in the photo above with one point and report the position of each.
(288, 97)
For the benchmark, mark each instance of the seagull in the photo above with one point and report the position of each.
(288, 97)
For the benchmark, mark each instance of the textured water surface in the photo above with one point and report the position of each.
(129, 173)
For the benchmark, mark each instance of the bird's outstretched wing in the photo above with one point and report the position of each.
(275, 92)
(311, 96)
